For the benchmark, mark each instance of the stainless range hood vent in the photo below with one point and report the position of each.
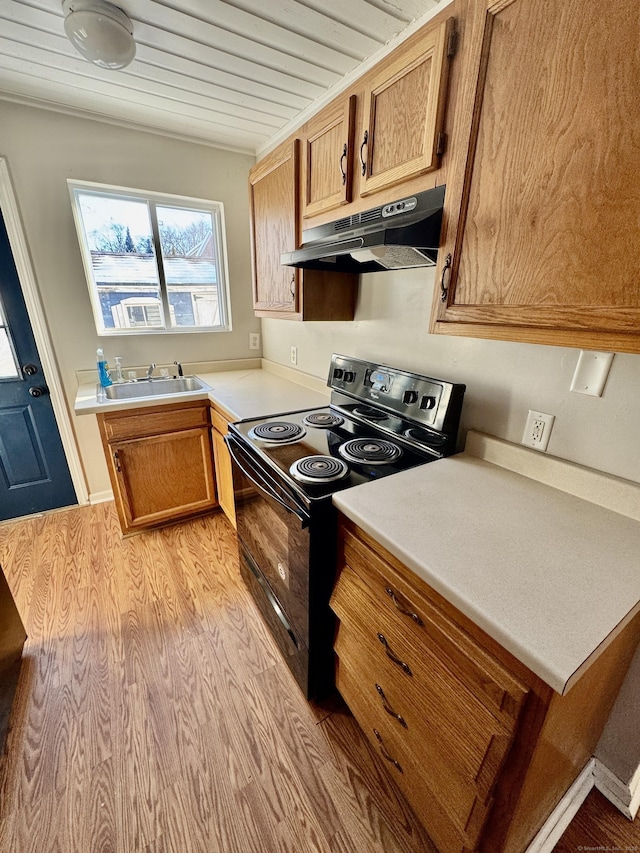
(399, 235)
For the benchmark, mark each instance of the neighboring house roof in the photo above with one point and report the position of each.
(134, 269)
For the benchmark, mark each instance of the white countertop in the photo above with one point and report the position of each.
(241, 393)
(552, 577)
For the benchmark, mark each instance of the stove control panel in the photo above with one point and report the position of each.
(433, 403)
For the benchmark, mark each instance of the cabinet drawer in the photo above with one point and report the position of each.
(455, 728)
(401, 766)
(140, 422)
(414, 736)
(394, 594)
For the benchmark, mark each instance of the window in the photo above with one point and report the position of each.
(8, 361)
(154, 263)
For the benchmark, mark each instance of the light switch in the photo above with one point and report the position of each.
(591, 373)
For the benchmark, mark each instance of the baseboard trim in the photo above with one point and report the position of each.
(101, 497)
(564, 812)
(624, 796)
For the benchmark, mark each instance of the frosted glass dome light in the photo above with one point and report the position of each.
(99, 31)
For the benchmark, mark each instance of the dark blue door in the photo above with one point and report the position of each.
(34, 475)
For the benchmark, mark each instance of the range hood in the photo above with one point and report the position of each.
(399, 235)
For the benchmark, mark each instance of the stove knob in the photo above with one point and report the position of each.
(427, 402)
(338, 373)
(349, 376)
(409, 397)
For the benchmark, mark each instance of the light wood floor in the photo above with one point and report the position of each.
(153, 713)
(600, 826)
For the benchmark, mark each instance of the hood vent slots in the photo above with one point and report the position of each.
(399, 235)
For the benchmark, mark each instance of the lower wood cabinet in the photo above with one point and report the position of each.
(224, 472)
(160, 463)
(480, 747)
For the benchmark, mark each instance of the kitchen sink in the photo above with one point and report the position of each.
(154, 388)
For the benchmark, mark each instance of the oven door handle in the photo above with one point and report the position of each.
(264, 486)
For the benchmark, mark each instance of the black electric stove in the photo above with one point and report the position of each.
(380, 420)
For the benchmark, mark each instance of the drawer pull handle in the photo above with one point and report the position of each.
(404, 666)
(384, 752)
(389, 709)
(402, 610)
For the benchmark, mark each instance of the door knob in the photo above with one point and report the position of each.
(37, 392)
(30, 370)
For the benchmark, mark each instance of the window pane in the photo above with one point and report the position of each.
(187, 238)
(8, 366)
(120, 242)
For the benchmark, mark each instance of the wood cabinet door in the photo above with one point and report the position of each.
(224, 476)
(328, 158)
(164, 476)
(544, 194)
(404, 105)
(274, 209)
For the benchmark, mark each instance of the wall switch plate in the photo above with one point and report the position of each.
(591, 373)
(294, 355)
(537, 430)
(254, 340)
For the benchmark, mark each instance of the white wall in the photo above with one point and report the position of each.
(43, 149)
(504, 380)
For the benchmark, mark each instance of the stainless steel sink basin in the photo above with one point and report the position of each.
(154, 388)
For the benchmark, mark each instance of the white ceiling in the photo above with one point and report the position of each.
(226, 72)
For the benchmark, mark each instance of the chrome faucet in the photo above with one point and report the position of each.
(179, 366)
(150, 370)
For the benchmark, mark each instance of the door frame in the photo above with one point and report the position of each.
(27, 279)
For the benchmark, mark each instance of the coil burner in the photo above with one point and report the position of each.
(372, 451)
(279, 432)
(322, 420)
(431, 439)
(370, 413)
(318, 469)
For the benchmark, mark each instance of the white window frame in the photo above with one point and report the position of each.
(215, 208)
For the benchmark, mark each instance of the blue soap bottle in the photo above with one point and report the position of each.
(103, 372)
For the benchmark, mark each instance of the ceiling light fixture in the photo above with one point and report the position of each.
(100, 31)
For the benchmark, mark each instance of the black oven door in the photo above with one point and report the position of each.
(274, 535)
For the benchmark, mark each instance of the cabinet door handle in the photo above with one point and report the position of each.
(389, 709)
(292, 286)
(342, 170)
(444, 289)
(401, 609)
(384, 752)
(362, 147)
(404, 666)
(116, 459)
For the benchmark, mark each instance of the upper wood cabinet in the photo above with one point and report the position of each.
(403, 113)
(543, 197)
(328, 156)
(285, 292)
(273, 185)
(399, 113)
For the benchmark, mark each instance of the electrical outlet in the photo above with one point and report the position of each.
(537, 430)
(294, 355)
(254, 340)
